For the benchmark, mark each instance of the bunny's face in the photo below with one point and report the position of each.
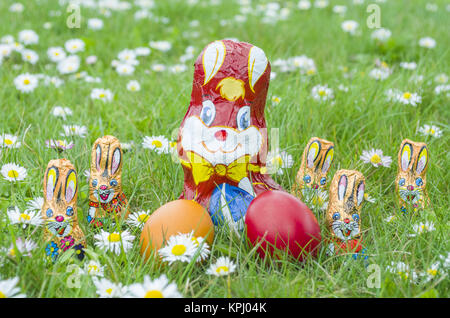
(60, 196)
(344, 208)
(106, 169)
(411, 178)
(316, 162)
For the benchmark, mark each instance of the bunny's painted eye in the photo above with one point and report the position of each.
(401, 182)
(336, 216)
(208, 112)
(113, 183)
(355, 217)
(307, 179)
(94, 182)
(49, 213)
(69, 211)
(243, 118)
(419, 182)
(323, 181)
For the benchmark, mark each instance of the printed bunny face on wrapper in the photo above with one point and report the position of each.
(316, 162)
(344, 209)
(105, 183)
(222, 142)
(59, 210)
(411, 178)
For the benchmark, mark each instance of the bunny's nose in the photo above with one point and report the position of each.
(410, 187)
(347, 220)
(103, 187)
(221, 135)
(59, 218)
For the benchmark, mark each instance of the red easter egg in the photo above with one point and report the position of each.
(278, 219)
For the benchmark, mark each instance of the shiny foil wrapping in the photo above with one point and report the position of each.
(59, 211)
(107, 200)
(411, 177)
(344, 210)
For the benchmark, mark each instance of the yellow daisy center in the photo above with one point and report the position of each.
(2, 295)
(114, 237)
(222, 269)
(317, 200)
(376, 159)
(26, 81)
(153, 294)
(178, 250)
(194, 239)
(432, 131)
(12, 252)
(407, 95)
(109, 291)
(102, 95)
(24, 217)
(278, 161)
(432, 272)
(322, 92)
(143, 217)
(157, 143)
(13, 174)
(93, 268)
(311, 72)
(8, 141)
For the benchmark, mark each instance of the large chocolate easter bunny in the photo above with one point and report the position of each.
(344, 211)
(107, 200)
(316, 162)
(222, 140)
(411, 178)
(59, 210)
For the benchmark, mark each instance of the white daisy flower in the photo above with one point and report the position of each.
(178, 248)
(390, 218)
(138, 219)
(157, 288)
(13, 172)
(69, 65)
(29, 56)
(95, 24)
(321, 4)
(63, 112)
(35, 204)
(28, 37)
(94, 268)
(127, 145)
(104, 95)
(421, 228)
(381, 34)
(114, 241)
(340, 9)
(162, 46)
(278, 160)
(275, 100)
(317, 198)
(350, 26)
(223, 266)
(408, 98)
(158, 67)
(142, 51)
(9, 289)
(304, 5)
(376, 158)
(56, 54)
(47, 25)
(380, 74)
(408, 65)
(127, 56)
(26, 83)
(5, 50)
(91, 59)
(441, 78)
(369, 198)
(431, 272)
(160, 144)
(445, 260)
(59, 144)
(108, 289)
(322, 93)
(133, 86)
(74, 130)
(125, 69)
(74, 45)
(201, 243)
(402, 270)
(7, 39)
(432, 130)
(441, 89)
(16, 7)
(24, 247)
(427, 42)
(27, 217)
(178, 68)
(9, 141)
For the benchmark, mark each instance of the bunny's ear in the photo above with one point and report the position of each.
(313, 152)
(257, 64)
(98, 156)
(406, 154)
(50, 181)
(328, 160)
(360, 193)
(342, 187)
(116, 159)
(422, 160)
(212, 59)
(71, 185)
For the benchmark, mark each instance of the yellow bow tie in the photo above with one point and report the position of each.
(202, 170)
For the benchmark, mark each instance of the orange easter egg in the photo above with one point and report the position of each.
(179, 216)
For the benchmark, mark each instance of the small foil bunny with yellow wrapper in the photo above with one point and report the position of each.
(310, 183)
(106, 198)
(59, 210)
(344, 211)
(411, 178)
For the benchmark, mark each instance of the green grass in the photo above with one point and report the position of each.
(359, 119)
